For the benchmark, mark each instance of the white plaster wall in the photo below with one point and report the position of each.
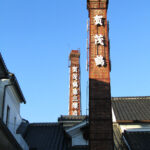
(13, 102)
(77, 135)
(113, 116)
(135, 127)
(14, 105)
(1, 99)
(3, 82)
(78, 139)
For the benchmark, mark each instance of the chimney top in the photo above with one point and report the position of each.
(74, 53)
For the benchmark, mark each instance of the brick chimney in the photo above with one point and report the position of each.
(100, 117)
(74, 97)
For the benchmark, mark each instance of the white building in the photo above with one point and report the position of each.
(10, 99)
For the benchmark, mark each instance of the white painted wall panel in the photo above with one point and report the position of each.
(13, 102)
(78, 140)
(135, 127)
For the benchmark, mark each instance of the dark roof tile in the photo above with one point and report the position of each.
(46, 136)
(131, 108)
(80, 147)
(138, 140)
(4, 73)
(70, 117)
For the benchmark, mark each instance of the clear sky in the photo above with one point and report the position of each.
(36, 37)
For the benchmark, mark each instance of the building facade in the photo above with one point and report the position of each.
(10, 99)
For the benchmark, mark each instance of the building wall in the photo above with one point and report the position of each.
(12, 101)
(135, 127)
(2, 84)
(77, 136)
(78, 139)
(1, 98)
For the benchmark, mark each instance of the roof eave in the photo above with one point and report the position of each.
(17, 88)
(3, 68)
(133, 121)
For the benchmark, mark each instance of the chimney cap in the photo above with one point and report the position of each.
(74, 53)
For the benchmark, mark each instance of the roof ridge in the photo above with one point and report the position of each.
(45, 124)
(71, 117)
(131, 98)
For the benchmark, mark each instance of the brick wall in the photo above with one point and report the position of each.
(74, 99)
(100, 118)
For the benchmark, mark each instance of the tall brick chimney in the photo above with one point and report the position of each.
(74, 98)
(100, 117)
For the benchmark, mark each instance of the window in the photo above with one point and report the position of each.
(7, 116)
(15, 124)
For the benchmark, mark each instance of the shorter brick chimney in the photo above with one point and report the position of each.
(74, 97)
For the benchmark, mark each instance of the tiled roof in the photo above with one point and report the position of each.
(73, 118)
(4, 73)
(79, 147)
(69, 121)
(138, 140)
(46, 136)
(131, 109)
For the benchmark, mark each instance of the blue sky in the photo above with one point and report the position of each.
(36, 37)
